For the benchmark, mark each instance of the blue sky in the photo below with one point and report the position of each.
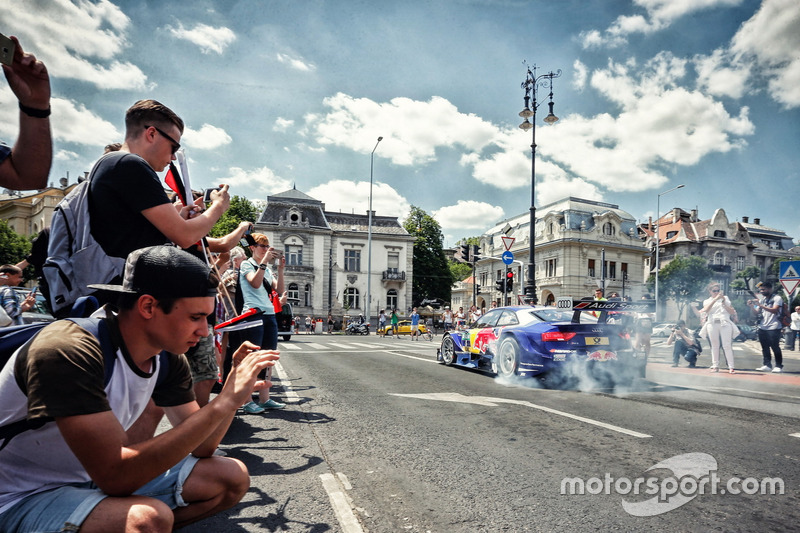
(653, 94)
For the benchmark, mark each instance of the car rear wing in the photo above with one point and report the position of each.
(604, 307)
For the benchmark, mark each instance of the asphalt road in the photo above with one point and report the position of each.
(379, 437)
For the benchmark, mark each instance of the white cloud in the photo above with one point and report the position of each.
(77, 41)
(772, 38)
(579, 76)
(296, 63)
(207, 137)
(282, 124)
(260, 179)
(719, 76)
(468, 214)
(207, 38)
(353, 197)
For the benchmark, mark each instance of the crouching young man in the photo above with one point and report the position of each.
(75, 468)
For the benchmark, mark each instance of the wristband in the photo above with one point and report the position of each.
(262, 266)
(33, 112)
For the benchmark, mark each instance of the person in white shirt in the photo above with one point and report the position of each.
(718, 311)
(794, 330)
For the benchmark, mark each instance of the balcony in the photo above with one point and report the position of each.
(393, 275)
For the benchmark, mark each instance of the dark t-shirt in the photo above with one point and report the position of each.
(124, 185)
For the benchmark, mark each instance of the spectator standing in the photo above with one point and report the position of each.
(794, 330)
(308, 324)
(257, 282)
(382, 321)
(330, 324)
(769, 327)
(686, 345)
(720, 327)
(10, 277)
(81, 470)
(26, 165)
(461, 318)
(395, 321)
(643, 328)
(414, 324)
(447, 319)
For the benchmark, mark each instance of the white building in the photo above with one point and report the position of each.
(326, 257)
(580, 245)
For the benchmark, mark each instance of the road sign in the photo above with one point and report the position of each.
(508, 242)
(789, 275)
(507, 257)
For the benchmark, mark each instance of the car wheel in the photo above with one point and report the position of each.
(508, 357)
(448, 350)
(286, 338)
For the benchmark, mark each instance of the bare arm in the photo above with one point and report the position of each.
(227, 242)
(183, 232)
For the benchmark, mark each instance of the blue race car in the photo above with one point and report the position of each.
(532, 341)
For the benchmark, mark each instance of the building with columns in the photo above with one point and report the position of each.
(326, 257)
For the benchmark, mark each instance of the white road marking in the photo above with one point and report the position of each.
(492, 402)
(795, 435)
(288, 346)
(289, 394)
(411, 357)
(341, 504)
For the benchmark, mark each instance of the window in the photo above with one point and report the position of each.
(720, 233)
(609, 229)
(740, 262)
(591, 268)
(351, 300)
(611, 269)
(719, 259)
(352, 260)
(624, 267)
(294, 292)
(391, 299)
(550, 266)
(393, 262)
(294, 255)
(307, 296)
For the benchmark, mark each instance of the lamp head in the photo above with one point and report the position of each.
(551, 118)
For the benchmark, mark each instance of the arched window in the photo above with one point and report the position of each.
(609, 229)
(720, 233)
(351, 299)
(719, 259)
(294, 292)
(391, 299)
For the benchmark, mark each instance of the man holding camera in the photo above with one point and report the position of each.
(686, 344)
(769, 327)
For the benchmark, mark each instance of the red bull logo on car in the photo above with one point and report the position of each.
(602, 355)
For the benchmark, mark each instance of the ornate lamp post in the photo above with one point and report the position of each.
(658, 237)
(531, 84)
(369, 230)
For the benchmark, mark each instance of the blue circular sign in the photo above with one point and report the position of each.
(508, 257)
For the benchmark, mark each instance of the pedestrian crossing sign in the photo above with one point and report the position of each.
(789, 275)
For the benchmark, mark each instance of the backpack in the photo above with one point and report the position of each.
(13, 338)
(74, 258)
(783, 314)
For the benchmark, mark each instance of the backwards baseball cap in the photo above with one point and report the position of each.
(164, 272)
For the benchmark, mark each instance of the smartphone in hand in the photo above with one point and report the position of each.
(7, 48)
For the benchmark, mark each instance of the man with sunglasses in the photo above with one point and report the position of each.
(769, 327)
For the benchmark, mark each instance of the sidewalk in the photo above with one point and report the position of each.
(747, 357)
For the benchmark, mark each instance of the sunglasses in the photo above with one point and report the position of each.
(175, 144)
(714, 290)
(261, 245)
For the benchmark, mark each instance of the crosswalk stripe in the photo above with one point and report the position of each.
(289, 346)
(363, 344)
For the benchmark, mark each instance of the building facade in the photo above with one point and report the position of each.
(327, 257)
(579, 245)
(29, 212)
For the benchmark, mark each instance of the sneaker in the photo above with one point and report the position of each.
(252, 408)
(764, 368)
(272, 404)
(673, 365)
(714, 369)
(777, 370)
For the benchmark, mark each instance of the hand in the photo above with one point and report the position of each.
(284, 298)
(28, 303)
(221, 196)
(248, 362)
(28, 79)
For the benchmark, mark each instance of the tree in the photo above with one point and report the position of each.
(432, 275)
(460, 271)
(743, 278)
(240, 209)
(683, 279)
(13, 247)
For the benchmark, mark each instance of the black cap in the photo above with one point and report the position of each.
(164, 272)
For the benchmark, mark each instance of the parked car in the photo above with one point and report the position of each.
(532, 341)
(37, 313)
(403, 328)
(662, 330)
(285, 322)
(747, 333)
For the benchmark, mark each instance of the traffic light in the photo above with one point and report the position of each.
(465, 253)
(476, 253)
(500, 285)
(477, 289)
(509, 280)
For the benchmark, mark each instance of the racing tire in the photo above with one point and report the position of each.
(448, 350)
(507, 357)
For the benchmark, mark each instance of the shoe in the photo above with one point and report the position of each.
(731, 371)
(764, 368)
(692, 365)
(777, 370)
(673, 365)
(252, 408)
(714, 369)
(272, 404)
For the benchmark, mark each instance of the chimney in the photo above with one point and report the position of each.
(694, 215)
(757, 221)
(650, 223)
(676, 214)
(746, 219)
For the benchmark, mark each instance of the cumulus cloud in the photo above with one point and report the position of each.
(282, 124)
(353, 197)
(77, 41)
(297, 63)
(468, 214)
(259, 179)
(207, 137)
(207, 38)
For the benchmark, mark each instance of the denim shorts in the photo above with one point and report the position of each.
(65, 508)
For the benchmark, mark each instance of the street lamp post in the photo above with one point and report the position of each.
(658, 237)
(369, 230)
(531, 84)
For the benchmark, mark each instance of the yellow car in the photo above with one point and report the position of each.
(403, 328)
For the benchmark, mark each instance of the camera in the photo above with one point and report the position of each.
(207, 194)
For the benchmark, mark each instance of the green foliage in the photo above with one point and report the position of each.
(13, 246)
(432, 275)
(240, 209)
(460, 271)
(683, 280)
(744, 277)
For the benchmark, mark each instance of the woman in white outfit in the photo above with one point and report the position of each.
(719, 326)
